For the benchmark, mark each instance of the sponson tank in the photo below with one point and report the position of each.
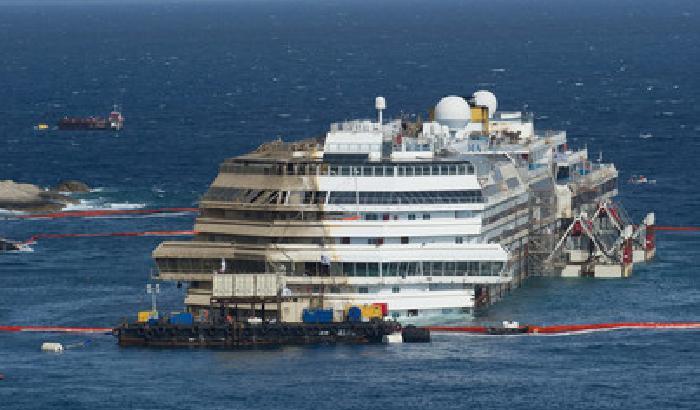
(434, 218)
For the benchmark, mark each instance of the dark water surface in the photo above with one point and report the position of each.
(202, 81)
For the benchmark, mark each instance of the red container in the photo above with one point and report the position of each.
(385, 308)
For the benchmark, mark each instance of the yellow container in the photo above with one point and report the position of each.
(144, 315)
(371, 311)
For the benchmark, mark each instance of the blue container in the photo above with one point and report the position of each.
(185, 319)
(309, 316)
(354, 314)
(153, 322)
(317, 316)
(324, 315)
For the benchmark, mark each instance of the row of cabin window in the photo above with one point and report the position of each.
(387, 217)
(404, 240)
(272, 197)
(208, 265)
(399, 269)
(352, 269)
(406, 197)
(326, 169)
(345, 240)
(426, 216)
(317, 216)
(394, 289)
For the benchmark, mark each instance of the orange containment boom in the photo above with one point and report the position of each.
(104, 212)
(612, 326)
(55, 329)
(677, 228)
(36, 237)
(561, 329)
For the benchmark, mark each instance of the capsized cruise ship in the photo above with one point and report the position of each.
(436, 219)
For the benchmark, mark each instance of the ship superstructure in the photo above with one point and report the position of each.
(433, 218)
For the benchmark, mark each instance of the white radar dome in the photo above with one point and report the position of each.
(453, 111)
(487, 99)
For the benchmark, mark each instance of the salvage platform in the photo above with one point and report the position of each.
(242, 334)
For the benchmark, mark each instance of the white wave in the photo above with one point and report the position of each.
(23, 249)
(573, 332)
(10, 212)
(126, 205)
(646, 135)
(98, 204)
(498, 70)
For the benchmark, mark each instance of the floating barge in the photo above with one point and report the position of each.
(241, 334)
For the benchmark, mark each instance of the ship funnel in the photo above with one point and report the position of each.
(380, 105)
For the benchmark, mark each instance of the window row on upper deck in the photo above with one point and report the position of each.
(367, 170)
(273, 197)
(348, 269)
(404, 198)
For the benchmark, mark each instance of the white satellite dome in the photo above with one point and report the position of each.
(453, 111)
(487, 99)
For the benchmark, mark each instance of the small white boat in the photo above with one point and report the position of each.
(640, 179)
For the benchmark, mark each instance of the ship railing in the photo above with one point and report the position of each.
(352, 170)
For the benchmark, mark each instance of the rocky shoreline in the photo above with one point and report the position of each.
(24, 197)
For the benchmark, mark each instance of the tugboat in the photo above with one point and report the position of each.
(508, 328)
(114, 122)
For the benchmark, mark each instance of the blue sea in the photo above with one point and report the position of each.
(200, 81)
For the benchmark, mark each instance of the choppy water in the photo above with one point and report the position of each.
(201, 82)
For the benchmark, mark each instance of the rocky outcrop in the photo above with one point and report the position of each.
(27, 197)
(72, 186)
